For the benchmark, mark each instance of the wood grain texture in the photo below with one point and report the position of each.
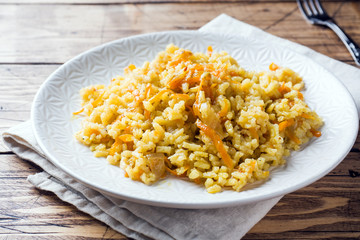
(16, 96)
(48, 34)
(18, 86)
(113, 2)
(37, 37)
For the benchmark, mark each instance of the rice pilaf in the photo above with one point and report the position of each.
(200, 116)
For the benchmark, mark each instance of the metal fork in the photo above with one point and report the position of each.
(315, 14)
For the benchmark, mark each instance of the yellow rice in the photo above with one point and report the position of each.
(200, 116)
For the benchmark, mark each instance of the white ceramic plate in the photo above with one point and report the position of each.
(58, 97)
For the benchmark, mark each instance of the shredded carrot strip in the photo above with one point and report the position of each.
(224, 110)
(173, 172)
(138, 174)
(115, 147)
(138, 97)
(175, 62)
(196, 105)
(300, 96)
(209, 67)
(91, 131)
(252, 167)
(291, 103)
(273, 67)
(159, 95)
(97, 101)
(128, 129)
(179, 96)
(308, 116)
(199, 67)
(197, 180)
(285, 124)
(218, 72)
(193, 80)
(147, 114)
(175, 83)
(129, 68)
(146, 95)
(284, 89)
(232, 73)
(209, 93)
(207, 90)
(235, 82)
(182, 57)
(291, 135)
(209, 50)
(184, 174)
(78, 112)
(105, 139)
(132, 67)
(219, 145)
(315, 133)
(126, 137)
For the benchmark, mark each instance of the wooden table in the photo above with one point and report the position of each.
(37, 37)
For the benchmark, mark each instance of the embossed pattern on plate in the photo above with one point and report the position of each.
(54, 125)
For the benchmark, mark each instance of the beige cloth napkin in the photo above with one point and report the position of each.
(147, 222)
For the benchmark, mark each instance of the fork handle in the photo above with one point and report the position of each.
(353, 48)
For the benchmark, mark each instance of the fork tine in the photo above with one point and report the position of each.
(302, 9)
(308, 9)
(320, 7)
(312, 5)
(316, 14)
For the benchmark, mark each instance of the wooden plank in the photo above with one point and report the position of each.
(42, 38)
(111, 2)
(320, 208)
(22, 83)
(16, 96)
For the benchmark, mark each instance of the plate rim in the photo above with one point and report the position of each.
(187, 205)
